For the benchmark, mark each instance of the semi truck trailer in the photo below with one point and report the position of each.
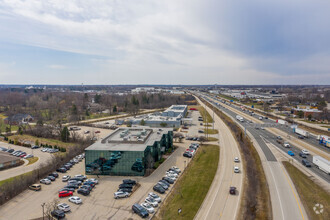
(322, 164)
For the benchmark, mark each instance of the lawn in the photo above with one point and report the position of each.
(211, 131)
(32, 160)
(310, 193)
(206, 116)
(212, 139)
(33, 139)
(190, 191)
(227, 97)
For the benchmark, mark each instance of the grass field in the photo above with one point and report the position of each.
(211, 131)
(41, 140)
(190, 191)
(310, 193)
(212, 139)
(227, 97)
(32, 160)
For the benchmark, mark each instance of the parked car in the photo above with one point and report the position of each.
(138, 209)
(151, 201)
(65, 194)
(64, 207)
(83, 191)
(236, 160)
(75, 200)
(75, 186)
(123, 185)
(169, 180)
(81, 176)
(290, 153)
(90, 183)
(61, 170)
(35, 147)
(66, 178)
(129, 190)
(158, 188)
(306, 163)
(187, 154)
(302, 155)
(54, 174)
(28, 156)
(75, 182)
(58, 214)
(236, 170)
(148, 207)
(78, 179)
(232, 190)
(45, 181)
(163, 185)
(87, 187)
(121, 194)
(50, 178)
(304, 151)
(155, 197)
(67, 188)
(97, 132)
(165, 182)
(35, 187)
(176, 168)
(129, 181)
(93, 180)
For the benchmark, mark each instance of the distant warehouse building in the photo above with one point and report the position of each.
(171, 117)
(128, 151)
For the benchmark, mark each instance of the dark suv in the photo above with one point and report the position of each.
(58, 213)
(306, 163)
(83, 191)
(138, 209)
(129, 181)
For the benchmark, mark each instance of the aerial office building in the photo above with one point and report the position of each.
(128, 151)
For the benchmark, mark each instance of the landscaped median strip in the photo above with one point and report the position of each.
(190, 190)
(316, 200)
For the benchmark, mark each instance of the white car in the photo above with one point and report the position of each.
(45, 181)
(236, 160)
(236, 170)
(66, 178)
(120, 194)
(155, 197)
(81, 176)
(151, 201)
(28, 156)
(172, 173)
(148, 207)
(93, 180)
(171, 176)
(75, 200)
(64, 207)
(304, 151)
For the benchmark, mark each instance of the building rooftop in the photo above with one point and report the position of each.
(130, 139)
(4, 158)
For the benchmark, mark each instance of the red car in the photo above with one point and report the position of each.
(65, 194)
(23, 155)
(96, 132)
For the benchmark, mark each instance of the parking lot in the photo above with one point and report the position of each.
(100, 204)
(43, 157)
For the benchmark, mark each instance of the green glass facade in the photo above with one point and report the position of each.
(126, 163)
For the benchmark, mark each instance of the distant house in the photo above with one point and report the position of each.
(18, 119)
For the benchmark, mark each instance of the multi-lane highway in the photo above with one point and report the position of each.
(263, 134)
(219, 204)
(285, 200)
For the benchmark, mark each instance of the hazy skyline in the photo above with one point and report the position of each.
(164, 42)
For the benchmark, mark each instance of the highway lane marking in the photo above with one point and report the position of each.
(287, 178)
(278, 194)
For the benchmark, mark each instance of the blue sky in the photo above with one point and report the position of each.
(164, 42)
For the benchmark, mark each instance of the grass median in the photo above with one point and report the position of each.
(32, 160)
(309, 192)
(211, 131)
(192, 187)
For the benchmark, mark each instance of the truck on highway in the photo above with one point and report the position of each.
(324, 140)
(322, 164)
(282, 122)
(239, 118)
(301, 132)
